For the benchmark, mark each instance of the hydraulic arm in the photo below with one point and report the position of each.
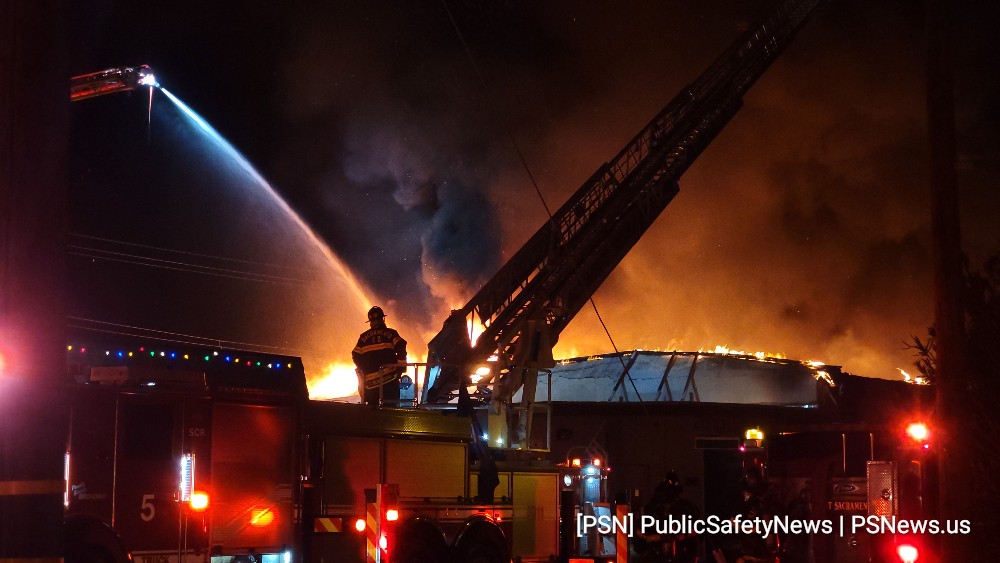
(526, 305)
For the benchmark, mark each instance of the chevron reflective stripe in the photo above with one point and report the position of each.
(621, 539)
(325, 524)
(371, 531)
(379, 378)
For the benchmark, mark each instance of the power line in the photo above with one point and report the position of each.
(167, 336)
(149, 261)
(172, 250)
(194, 270)
(498, 115)
(496, 109)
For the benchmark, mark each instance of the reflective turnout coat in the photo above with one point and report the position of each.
(378, 347)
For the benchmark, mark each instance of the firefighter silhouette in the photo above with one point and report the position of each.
(667, 502)
(757, 503)
(379, 357)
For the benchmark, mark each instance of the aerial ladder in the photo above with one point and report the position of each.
(525, 306)
(110, 81)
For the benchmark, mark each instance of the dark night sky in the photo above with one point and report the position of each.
(803, 229)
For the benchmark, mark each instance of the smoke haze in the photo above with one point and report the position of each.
(802, 230)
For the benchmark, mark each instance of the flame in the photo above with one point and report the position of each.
(918, 380)
(727, 351)
(339, 382)
(825, 377)
(473, 326)
(476, 329)
(418, 373)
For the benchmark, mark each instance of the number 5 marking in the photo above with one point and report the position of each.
(148, 510)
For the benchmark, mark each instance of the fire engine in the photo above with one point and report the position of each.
(864, 473)
(218, 454)
(200, 454)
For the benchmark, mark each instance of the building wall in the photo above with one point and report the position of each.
(645, 441)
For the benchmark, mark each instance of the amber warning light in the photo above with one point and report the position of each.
(262, 517)
(199, 501)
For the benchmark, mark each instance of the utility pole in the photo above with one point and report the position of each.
(949, 309)
(34, 133)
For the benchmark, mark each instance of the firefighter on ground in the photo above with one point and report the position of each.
(379, 357)
(665, 503)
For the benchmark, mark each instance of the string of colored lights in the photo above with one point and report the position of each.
(220, 356)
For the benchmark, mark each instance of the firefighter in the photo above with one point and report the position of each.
(757, 503)
(667, 502)
(378, 358)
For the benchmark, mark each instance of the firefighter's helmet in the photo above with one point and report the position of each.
(376, 315)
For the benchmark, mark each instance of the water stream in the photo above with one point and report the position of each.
(175, 231)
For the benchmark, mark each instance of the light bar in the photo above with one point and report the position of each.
(66, 480)
(187, 478)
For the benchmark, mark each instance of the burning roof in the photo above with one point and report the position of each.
(707, 377)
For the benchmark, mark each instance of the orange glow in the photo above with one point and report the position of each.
(392, 515)
(576, 462)
(383, 543)
(262, 517)
(199, 501)
(597, 462)
(359, 524)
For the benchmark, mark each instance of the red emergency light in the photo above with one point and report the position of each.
(918, 431)
(198, 501)
(907, 553)
(919, 434)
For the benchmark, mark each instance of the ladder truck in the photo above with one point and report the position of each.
(349, 457)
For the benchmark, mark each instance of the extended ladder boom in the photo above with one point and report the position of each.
(554, 274)
(109, 81)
